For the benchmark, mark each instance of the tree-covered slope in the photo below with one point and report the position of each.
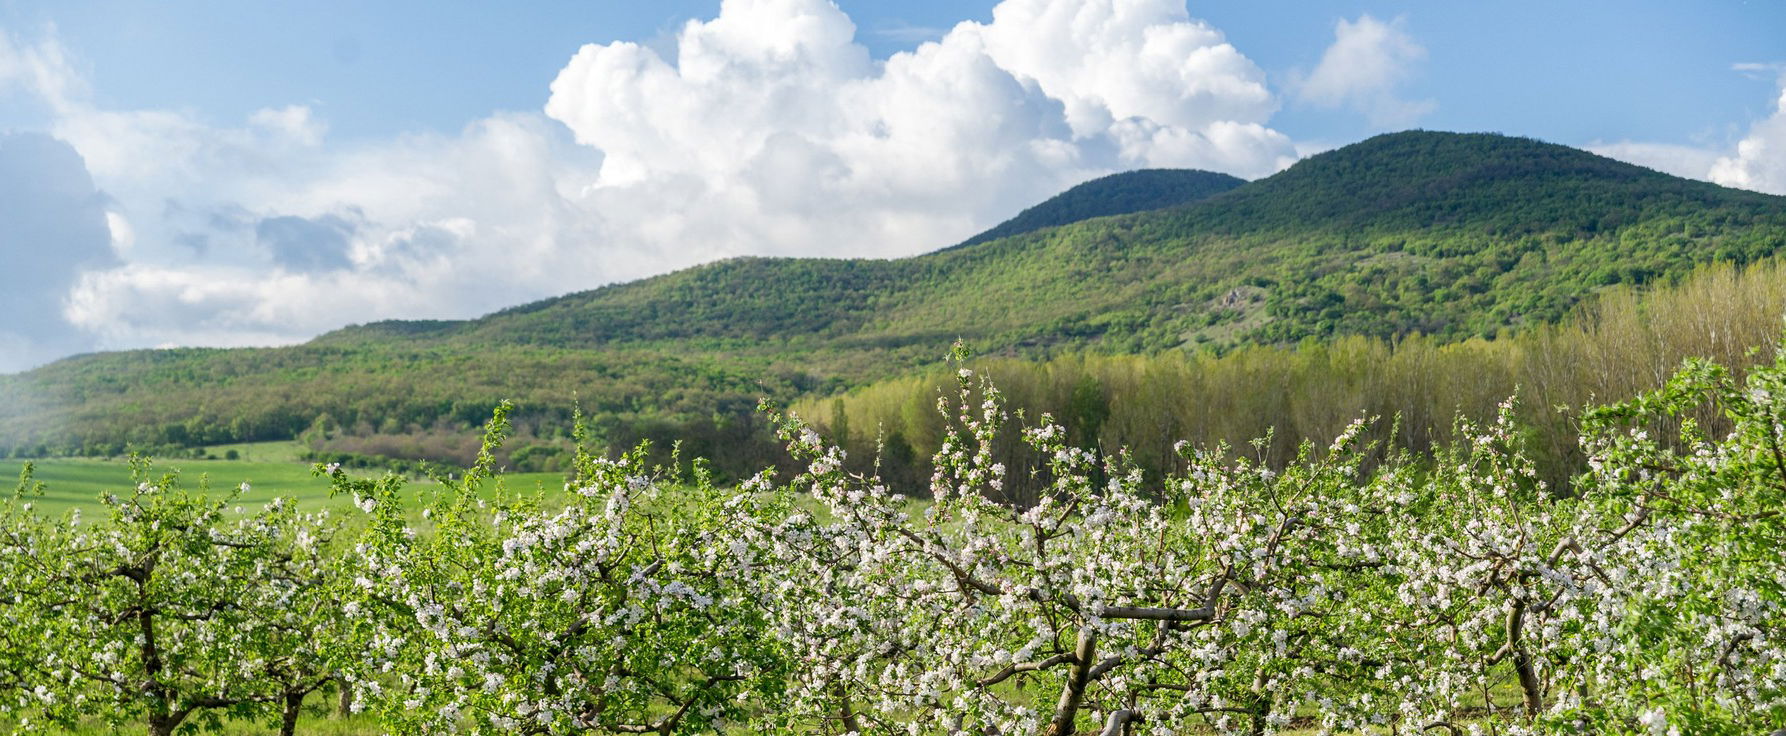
(1116, 194)
(1447, 235)
(1438, 233)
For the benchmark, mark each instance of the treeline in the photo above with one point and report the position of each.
(737, 441)
(1625, 342)
(400, 403)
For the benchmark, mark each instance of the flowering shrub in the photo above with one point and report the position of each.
(171, 611)
(1688, 586)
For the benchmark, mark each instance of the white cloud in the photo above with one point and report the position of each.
(774, 117)
(54, 228)
(42, 69)
(426, 226)
(770, 132)
(1364, 69)
(1114, 60)
(1691, 162)
(1759, 161)
(292, 122)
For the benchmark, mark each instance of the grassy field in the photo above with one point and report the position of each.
(270, 468)
(316, 721)
(313, 723)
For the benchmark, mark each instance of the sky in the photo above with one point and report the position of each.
(251, 172)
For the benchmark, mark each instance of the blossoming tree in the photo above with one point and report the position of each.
(172, 611)
(1218, 598)
(625, 610)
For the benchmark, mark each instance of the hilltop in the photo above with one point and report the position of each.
(1116, 194)
(1443, 234)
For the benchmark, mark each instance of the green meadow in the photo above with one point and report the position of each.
(269, 468)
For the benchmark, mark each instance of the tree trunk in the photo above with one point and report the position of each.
(343, 698)
(1522, 660)
(162, 722)
(288, 723)
(1261, 716)
(847, 713)
(162, 725)
(1066, 713)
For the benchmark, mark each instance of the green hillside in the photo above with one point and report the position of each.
(1444, 234)
(1448, 235)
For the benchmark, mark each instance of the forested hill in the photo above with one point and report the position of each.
(1492, 184)
(1439, 233)
(1116, 194)
(1448, 235)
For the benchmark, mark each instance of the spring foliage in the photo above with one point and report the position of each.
(1345, 590)
(1627, 343)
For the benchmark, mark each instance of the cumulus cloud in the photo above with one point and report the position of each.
(52, 228)
(427, 226)
(768, 129)
(1691, 162)
(1759, 161)
(1365, 69)
(778, 121)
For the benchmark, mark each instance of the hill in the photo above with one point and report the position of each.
(1447, 235)
(1116, 194)
(1439, 233)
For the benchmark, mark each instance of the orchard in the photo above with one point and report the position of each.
(1353, 590)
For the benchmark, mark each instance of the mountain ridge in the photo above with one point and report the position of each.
(1477, 198)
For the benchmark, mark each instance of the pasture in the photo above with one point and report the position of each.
(269, 468)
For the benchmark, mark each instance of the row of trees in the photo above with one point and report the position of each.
(1629, 342)
(1344, 590)
(386, 404)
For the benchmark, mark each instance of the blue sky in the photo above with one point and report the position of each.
(1572, 72)
(258, 172)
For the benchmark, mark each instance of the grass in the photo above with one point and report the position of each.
(319, 720)
(315, 721)
(270, 468)
(77, 482)
(289, 451)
